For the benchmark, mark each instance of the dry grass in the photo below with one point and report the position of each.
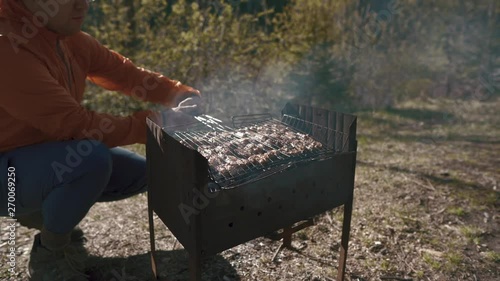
(426, 208)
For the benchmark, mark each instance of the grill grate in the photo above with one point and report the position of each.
(210, 135)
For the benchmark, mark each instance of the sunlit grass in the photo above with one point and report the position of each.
(431, 261)
(472, 233)
(457, 211)
(137, 148)
(492, 256)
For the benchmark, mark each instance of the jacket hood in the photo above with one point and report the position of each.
(13, 10)
(14, 16)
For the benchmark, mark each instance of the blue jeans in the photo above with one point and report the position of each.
(65, 179)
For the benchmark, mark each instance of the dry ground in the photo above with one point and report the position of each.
(426, 208)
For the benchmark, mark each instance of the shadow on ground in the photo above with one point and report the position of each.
(423, 115)
(432, 139)
(472, 189)
(172, 266)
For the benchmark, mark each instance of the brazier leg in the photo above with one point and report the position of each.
(152, 242)
(194, 267)
(288, 231)
(346, 228)
(287, 237)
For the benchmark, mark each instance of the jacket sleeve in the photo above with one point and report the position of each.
(115, 72)
(29, 93)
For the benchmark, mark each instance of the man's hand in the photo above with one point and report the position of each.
(186, 91)
(182, 92)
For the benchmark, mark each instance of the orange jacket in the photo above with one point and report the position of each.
(42, 81)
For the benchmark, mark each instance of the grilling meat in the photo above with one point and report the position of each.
(232, 152)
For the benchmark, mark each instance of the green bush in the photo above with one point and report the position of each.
(331, 53)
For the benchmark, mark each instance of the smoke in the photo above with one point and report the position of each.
(374, 58)
(233, 90)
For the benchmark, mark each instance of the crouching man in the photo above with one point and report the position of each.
(66, 158)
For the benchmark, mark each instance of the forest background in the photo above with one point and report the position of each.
(253, 56)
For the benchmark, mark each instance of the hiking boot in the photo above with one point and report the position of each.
(66, 264)
(35, 220)
(77, 236)
(31, 220)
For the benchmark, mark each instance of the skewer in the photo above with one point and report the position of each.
(213, 118)
(206, 123)
(271, 145)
